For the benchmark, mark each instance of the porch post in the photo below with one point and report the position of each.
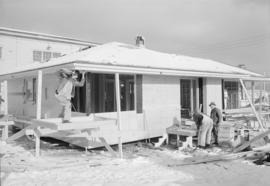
(5, 97)
(118, 106)
(251, 104)
(39, 94)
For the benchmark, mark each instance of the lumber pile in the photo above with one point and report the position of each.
(261, 155)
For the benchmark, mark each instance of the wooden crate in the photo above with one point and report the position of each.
(226, 132)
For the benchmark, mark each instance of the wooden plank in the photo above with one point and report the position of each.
(208, 159)
(245, 145)
(108, 147)
(45, 124)
(251, 104)
(19, 134)
(6, 123)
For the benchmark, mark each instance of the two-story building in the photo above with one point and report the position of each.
(19, 48)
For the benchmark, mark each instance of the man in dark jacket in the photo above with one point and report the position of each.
(217, 119)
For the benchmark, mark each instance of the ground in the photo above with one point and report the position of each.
(141, 165)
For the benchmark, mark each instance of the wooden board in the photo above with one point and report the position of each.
(199, 160)
(245, 145)
(181, 132)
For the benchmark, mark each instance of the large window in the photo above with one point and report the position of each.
(189, 96)
(44, 56)
(98, 94)
(231, 94)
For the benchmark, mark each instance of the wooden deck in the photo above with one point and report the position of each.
(76, 123)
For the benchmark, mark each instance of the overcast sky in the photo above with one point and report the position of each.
(230, 31)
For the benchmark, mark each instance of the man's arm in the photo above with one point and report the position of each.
(219, 114)
(80, 83)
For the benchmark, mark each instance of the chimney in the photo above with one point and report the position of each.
(140, 41)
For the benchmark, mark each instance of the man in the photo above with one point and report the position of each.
(217, 119)
(66, 90)
(204, 125)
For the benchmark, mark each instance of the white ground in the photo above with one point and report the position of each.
(59, 165)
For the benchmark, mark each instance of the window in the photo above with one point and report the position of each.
(47, 56)
(56, 54)
(37, 55)
(44, 56)
(34, 90)
(139, 97)
(98, 94)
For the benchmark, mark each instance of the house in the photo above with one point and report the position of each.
(131, 89)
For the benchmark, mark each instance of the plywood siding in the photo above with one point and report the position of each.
(161, 102)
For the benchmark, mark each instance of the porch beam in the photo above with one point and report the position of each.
(251, 104)
(118, 106)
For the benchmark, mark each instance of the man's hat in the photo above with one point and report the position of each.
(66, 71)
(212, 103)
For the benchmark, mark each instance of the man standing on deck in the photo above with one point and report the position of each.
(66, 90)
(217, 119)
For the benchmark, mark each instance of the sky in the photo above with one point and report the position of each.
(229, 31)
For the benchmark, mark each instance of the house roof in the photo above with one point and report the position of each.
(120, 57)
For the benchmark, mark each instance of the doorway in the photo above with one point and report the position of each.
(189, 96)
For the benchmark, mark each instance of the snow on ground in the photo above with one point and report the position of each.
(61, 166)
(141, 165)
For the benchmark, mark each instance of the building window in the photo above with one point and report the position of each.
(37, 55)
(47, 56)
(56, 54)
(44, 56)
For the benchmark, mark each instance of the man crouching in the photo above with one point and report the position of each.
(204, 125)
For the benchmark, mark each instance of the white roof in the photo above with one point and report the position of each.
(116, 55)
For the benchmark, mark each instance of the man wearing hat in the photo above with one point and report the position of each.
(65, 90)
(217, 119)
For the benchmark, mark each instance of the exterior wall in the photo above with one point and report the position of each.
(212, 91)
(161, 103)
(17, 51)
(19, 105)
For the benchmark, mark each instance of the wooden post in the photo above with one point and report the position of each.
(5, 95)
(37, 136)
(251, 104)
(118, 106)
(191, 96)
(38, 113)
(39, 95)
(252, 91)
(197, 96)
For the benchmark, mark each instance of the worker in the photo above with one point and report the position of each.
(217, 118)
(204, 125)
(66, 90)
